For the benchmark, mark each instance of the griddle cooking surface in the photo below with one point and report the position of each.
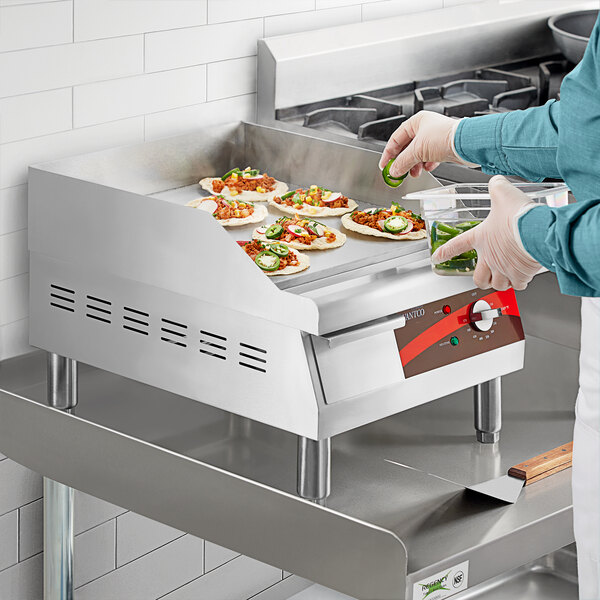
(358, 251)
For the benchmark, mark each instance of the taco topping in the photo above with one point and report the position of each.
(296, 229)
(222, 209)
(270, 257)
(313, 196)
(238, 181)
(395, 220)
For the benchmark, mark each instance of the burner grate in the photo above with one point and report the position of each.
(375, 115)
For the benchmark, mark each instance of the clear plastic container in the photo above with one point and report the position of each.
(445, 225)
(477, 195)
(455, 207)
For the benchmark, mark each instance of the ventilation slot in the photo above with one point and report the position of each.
(136, 320)
(253, 367)
(173, 332)
(255, 348)
(62, 297)
(213, 344)
(253, 357)
(98, 309)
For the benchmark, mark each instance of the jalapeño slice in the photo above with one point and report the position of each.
(274, 231)
(278, 248)
(267, 260)
(389, 180)
(395, 224)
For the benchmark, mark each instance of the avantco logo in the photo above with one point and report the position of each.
(434, 586)
(415, 313)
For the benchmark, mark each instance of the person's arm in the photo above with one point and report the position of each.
(566, 240)
(526, 142)
(522, 142)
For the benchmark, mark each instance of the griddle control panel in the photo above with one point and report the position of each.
(456, 328)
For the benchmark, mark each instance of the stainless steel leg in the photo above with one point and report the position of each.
(58, 498)
(58, 541)
(488, 410)
(314, 468)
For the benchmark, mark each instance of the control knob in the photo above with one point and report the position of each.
(482, 315)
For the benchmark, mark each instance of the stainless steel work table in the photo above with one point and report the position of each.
(233, 481)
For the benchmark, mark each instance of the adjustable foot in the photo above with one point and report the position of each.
(58, 498)
(314, 468)
(487, 399)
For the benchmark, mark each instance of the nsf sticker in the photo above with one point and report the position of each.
(443, 584)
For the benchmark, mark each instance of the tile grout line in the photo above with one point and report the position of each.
(131, 562)
(130, 76)
(203, 575)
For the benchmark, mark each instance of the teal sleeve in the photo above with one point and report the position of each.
(522, 142)
(566, 240)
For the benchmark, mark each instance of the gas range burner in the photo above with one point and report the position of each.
(375, 115)
(363, 116)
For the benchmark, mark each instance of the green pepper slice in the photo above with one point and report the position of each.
(457, 265)
(395, 224)
(288, 195)
(467, 225)
(389, 180)
(453, 231)
(277, 248)
(274, 232)
(437, 244)
(267, 261)
(229, 173)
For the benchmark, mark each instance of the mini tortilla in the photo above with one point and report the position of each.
(280, 188)
(260, 214)
(304, 264)
(318, 244)
(314, 211)
(348, 223)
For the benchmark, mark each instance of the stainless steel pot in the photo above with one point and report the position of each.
(572, 31)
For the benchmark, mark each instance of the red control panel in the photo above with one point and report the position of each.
(458, 327)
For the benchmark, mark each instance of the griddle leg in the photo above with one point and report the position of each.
(58, 498)
(314, 468)
(487, 398)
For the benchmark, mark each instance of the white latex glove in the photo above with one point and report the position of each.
(502, 261)
(421, 142)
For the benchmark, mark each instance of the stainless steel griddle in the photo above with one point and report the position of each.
(360, 251)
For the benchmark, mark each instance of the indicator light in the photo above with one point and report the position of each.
(454, 340)
(446, 309)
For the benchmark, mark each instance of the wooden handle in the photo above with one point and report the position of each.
(544, 465)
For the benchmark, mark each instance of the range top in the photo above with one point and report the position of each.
(375, 114)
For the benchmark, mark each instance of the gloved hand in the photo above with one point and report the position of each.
(421, 142)
(502, 261)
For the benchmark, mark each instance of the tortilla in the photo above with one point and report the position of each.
(246, 195)
(314, 211)
(304, 264)
(318, 244)
(260, 214)
(351, 225)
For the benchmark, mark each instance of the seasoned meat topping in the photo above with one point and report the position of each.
(314, 196)
(239, 184)
(375, 220)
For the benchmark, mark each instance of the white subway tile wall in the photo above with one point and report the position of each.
(83, 75)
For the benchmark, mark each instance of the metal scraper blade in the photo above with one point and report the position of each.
(505, 488)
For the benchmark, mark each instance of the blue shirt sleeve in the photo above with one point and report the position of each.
(566, 240)
(558, 140)
(522, 142)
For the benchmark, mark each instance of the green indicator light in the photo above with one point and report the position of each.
(454, 340)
